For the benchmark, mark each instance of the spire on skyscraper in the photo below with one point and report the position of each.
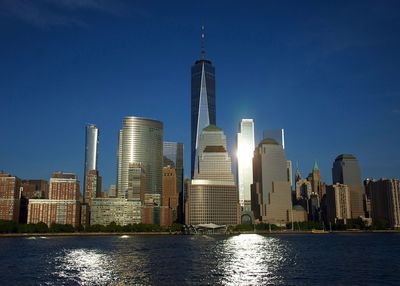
(315, 166)
(202, 51)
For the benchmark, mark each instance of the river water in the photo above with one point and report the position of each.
(246, 259)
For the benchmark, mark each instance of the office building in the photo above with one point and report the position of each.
(91, 146)
(385, 202)
(245, 149)
(212, 195)
(10, 188)
(203, 103)
(271, 192)
(346, 171)
(338, 203)
(118, 210)
(140, 142)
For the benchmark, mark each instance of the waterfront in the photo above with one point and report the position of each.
(247, 259)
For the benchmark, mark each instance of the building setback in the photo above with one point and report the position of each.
(9, 197)
(385, 202)
(212, 195)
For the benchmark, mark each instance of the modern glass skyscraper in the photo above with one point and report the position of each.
(140, 141)
(202, 100)
(91, 142)
(245, 149)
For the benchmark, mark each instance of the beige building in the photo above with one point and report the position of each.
(385, 201)
(212, 195)
(118, 210)
(338, 203)
(271, 191)
(10, 187)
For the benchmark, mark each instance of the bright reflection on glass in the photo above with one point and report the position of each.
(86, 267)
(124, 236)
(252, 259)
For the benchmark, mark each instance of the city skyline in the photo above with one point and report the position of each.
(344, 66)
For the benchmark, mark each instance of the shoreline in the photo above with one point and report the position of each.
(90, 234)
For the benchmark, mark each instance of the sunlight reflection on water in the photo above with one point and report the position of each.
(252, 260)
(85, 267)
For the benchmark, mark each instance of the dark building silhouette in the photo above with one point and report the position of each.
(346, 170)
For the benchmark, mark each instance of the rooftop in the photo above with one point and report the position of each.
(212, 127)
(269, 141)
(345, 156)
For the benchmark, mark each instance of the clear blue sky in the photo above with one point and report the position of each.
(326, 71)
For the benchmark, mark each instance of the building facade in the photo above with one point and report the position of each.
(245, 149)
(271, 192)
(140, 141)
(54, 211)
(63, 205)
(170, 195)
(203, 103)
(118, 210)
(212, 195)
(10, 188)
(91, 147)
(338, 203)
(346, 170)
(136, 182)
(385, 202)
(93, 186)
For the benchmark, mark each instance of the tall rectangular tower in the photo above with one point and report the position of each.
(245, 149)
(91, 142)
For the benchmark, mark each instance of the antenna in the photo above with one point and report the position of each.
(202, 51)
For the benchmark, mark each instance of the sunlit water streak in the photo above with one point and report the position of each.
(247, 259)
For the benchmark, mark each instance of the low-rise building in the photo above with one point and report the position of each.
(119, 210)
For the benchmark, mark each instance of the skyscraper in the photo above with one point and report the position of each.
(270, 191)
(203, 110)
(91, 142)
(140, 141)
(212, 195)
(346, 171)
(245, 149)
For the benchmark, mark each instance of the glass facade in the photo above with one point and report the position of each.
(245, 149)
(141, 141)
(91, 142)
(203, 108)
